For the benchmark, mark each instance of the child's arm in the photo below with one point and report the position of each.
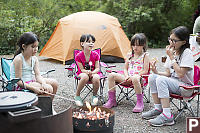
(146, 65)
(126, 68)
(18, 69)
(82, 68)
(165, 73)
(153, 68)
(38, 77)
(96, 70)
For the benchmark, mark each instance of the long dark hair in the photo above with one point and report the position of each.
(183, 34)
(141, 39)
(27, 38)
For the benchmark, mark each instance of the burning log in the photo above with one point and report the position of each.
(93, 119)
(90, 114)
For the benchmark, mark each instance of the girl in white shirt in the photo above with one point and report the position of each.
(179, 70)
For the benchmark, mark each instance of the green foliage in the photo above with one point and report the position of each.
(153, 17)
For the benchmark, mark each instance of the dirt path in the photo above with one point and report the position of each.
(125, 120)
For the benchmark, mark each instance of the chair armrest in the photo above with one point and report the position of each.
(103, 77)
(190, 87)
(72, 66)
(110, 66)
(106, 66)
(109, 71)
(3, 81)
(47, 72)
(69, 68)
(145, 76)
(52, 70)
(14, 81)
(115, 71)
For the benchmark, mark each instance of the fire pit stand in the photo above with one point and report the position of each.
(18, 114)
(85, 125)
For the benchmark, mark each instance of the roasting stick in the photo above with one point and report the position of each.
(59, 96)
(72, 99)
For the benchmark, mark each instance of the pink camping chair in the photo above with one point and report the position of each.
(74, 68)
(127, 89)
(185, 102)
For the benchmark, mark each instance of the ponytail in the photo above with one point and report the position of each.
(19, 50)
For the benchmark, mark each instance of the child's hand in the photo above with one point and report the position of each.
(170, 51)
(154, 60)
(89, 73)
(38, 90)
(45, 87)
(153, 66)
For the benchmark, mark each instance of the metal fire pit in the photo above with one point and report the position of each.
(18, 114)
(97, 126)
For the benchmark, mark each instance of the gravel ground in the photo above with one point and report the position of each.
(125, 120)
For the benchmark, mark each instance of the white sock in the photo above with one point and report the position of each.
(158, 107)
(167, 112)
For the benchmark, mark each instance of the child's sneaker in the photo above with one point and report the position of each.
(151, 114)
(94, 100)
(162, 120)
(78, 101)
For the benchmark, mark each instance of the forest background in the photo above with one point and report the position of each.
(155, 18)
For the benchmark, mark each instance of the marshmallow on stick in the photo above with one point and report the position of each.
(155, 59)
(90, 64)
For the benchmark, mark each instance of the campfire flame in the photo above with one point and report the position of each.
(88, 106)
(94, 114)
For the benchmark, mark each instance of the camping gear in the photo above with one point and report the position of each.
(15, 100)
(19, 114)
(107, 30)
(195, 47)
(185, 103)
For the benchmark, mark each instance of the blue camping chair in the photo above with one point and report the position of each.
(7, 84)
(10, 85)
(44, 102)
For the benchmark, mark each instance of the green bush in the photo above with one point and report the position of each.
(153, 17)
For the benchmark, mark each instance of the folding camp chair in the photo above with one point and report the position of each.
(44, 102)
(72, 72)
(7, 84)
(127, 89)
(185, 102)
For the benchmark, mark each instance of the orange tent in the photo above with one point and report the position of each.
(107, 30)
